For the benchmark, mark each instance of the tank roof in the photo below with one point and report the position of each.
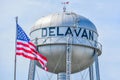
(64, 19)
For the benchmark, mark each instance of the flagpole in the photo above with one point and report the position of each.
(15, 49)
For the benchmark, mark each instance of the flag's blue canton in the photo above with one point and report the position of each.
(21, 34)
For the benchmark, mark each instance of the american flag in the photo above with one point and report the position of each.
(25, 48)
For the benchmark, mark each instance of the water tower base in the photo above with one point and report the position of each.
(61, 76)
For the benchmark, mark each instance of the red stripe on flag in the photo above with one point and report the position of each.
(26, 56)
(25, 50)
(32, 44)
(43, 57)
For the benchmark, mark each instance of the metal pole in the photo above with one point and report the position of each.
(32, 66)
(96, 65)
(61, 76)
(68, 58)
(15, 50)
(91, 72)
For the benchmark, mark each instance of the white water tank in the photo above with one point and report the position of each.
(53, 31)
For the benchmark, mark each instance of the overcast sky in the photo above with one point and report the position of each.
(105, 14)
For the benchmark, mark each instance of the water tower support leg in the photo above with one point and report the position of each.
(61, 76)
(97, 66)
(31, 73)
(91, 72)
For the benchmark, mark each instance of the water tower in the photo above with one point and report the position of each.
(70, 43)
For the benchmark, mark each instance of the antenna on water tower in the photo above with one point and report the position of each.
(64, 5)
